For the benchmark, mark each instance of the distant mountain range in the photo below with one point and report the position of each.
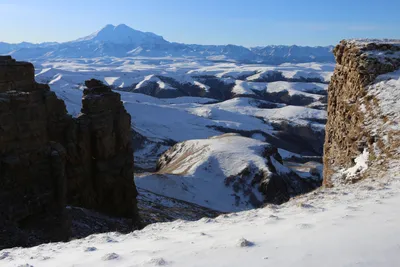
(123, 41)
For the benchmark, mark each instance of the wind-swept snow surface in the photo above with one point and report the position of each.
(355, 225)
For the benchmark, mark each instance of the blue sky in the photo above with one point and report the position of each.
(242, 22)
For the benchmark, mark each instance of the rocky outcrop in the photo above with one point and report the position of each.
(16, 75)
(32, 165)
(355, 117)
(49, 159)
(100, 166)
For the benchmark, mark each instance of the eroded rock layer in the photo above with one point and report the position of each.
(352, 107)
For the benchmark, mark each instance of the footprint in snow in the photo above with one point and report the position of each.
(44, 258)
(305, 226)
(208, 220)
(4, 255)
(244, 243)
(158, 237)
(108, 239)
(348, 216)
(25, 265)
(158, 262)
(274, 218)
(306, 205)
(353, 208)
(110, 256)
(90, 249)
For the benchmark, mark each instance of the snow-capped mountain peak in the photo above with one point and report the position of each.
(123, 41)
(122, 34)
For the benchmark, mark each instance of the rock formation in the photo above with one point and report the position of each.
(356, 112)
(32, 165)
(49, 159)
(101, 172)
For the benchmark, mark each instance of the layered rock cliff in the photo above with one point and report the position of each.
(363, 109)
(49, 159)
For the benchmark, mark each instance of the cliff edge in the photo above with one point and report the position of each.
(49, 160)
(362, 131)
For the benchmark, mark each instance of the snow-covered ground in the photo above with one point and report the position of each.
(351, 225)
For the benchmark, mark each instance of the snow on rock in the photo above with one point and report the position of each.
(387, 90)
(363, 120)
(360, 164)
(225, 173)
(367, 41)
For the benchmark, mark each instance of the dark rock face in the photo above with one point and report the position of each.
(16, 75)
(101, 174)
(49, 160)
(32, 166)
